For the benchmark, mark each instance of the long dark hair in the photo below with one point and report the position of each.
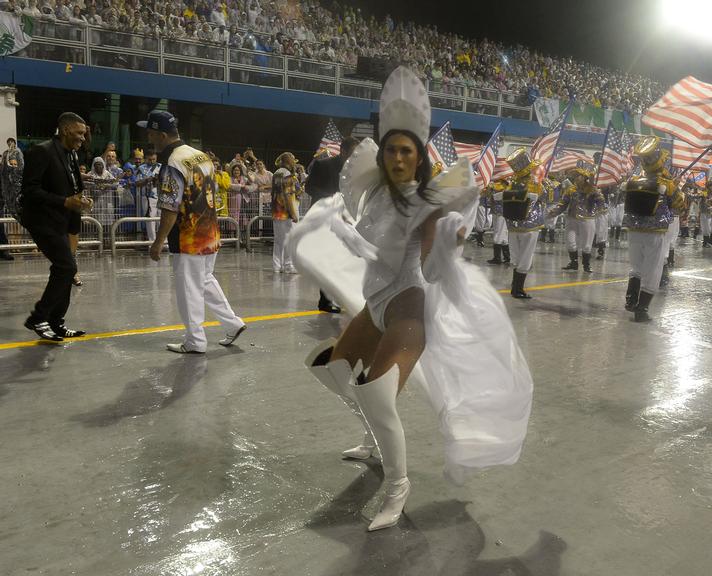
(423, 172)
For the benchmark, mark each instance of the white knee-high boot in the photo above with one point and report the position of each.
(377, 400)
(338, 377)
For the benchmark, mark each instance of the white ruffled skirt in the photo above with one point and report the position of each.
(472, 370)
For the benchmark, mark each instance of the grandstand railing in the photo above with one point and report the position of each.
(90, 236)
(99, 47)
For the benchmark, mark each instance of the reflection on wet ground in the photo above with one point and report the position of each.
(118, 458)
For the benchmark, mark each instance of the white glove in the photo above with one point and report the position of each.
(662, 189)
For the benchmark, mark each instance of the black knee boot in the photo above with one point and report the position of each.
(518, 279)
(601, 251)
(671, 258)
(480, 237)
(505, 253)
(631, 295)
(552, 236)
(706, 241)
(695, 232)
(497, 255)
(573, 262)
(641, 310)
(617, 233)
(586, 262)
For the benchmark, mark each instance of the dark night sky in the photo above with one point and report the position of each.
(623, 34)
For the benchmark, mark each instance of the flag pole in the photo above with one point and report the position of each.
(561, 133)
(603, 151)
(695, 161)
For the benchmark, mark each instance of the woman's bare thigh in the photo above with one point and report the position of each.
(358, 341)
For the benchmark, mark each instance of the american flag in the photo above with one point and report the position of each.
(544, 147)
(502, 170)
(683, 155)
(470, 151)
(568, 159)
(331, 140)
(488, 159)
(699, 178)
(441, 147)
(685, 111)
(615, 158)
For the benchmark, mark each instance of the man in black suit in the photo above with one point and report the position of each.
(323, 182)
(52, 203)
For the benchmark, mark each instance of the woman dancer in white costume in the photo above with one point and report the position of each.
(406, 243)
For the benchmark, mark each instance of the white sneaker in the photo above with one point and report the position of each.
(230, 338)
(181, 349)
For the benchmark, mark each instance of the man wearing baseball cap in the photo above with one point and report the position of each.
(186, 193)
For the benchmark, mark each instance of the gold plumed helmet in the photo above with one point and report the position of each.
(282, 157)
(138, 153)
(652, 157)
(436, 169)
(520, 162)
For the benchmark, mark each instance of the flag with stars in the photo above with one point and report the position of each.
(484, 169)
(441, 147)
(331, 140)
(545, 146)
(615, 158)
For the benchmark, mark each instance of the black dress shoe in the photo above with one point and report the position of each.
(330, 308)
(5, 255)
(77, 281)
(43, 330)
(65, 332)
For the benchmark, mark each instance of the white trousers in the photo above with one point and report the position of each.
(550, 221)
(672, 232)
(579, 234)
(280, 254)
(499, 228)
(706, 224)
(647, 252)
(483, 220)
(196, 287)
(522, 246)
(602, 227)
(615, 215)
(149, 207)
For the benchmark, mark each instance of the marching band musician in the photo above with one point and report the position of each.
(582, 202)
(523, 213)
(483, 220)
(705, 216)
(552, 192)
(616, 201)
(602, 222)
(649, 205)
(500, 233)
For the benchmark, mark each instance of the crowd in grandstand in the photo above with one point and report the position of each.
(341, 33)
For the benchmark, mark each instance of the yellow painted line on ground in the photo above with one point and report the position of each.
(568, 285)
(267, 318)
(154, 330)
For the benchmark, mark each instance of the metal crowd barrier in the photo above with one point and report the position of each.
(98, 243)
(115, 244)
(248, 233)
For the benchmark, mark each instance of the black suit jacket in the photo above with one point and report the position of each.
(323, 178)
(46, 183)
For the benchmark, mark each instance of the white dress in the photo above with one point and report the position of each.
(472, 369)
